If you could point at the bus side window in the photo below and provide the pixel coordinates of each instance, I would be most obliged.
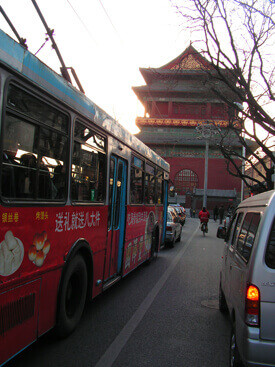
(35, 141)
(137, 180)
(136, 185)
(27, 175)
(52, 167)
(59, 180)
(8, 176)
(88, 166)
(149, 185)
(19, 163)
(159, 187)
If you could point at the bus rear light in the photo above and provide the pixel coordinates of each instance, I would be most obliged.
(252, 305)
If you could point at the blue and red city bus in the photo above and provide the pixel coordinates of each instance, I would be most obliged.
(83, 202)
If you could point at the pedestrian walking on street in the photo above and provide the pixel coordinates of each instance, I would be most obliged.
(230, 210)
(221, 213)
(216, 213)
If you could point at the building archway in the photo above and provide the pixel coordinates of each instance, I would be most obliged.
(185, 180)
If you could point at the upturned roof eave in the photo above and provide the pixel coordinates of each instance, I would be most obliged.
(150, 74)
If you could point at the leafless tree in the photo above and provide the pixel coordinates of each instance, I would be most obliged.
(237, 37)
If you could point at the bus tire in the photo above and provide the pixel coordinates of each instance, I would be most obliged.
(154, 243)
(72, 297)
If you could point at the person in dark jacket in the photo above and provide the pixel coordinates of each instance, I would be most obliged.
(221, 213)
(216, 213)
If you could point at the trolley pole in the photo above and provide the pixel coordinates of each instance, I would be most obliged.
(63, 68)
(22, 41)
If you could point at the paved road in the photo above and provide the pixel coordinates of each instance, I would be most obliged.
(162, 314)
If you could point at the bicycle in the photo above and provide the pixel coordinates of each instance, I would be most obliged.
(204, 228)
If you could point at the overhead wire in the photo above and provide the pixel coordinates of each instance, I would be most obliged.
(110, 20)
(82, 22)
(86, 27)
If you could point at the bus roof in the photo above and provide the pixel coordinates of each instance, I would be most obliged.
(18, 58)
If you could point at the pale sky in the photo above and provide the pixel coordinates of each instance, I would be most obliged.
(105, 41)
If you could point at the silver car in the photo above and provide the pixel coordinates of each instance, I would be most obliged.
(173, 229)
(247, 281)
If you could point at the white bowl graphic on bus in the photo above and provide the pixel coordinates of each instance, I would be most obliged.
(11, 254)
(150, 222)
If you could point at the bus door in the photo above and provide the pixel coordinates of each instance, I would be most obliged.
(116, 216)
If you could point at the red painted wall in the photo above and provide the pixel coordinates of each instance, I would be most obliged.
(218, 177)
(188, 110)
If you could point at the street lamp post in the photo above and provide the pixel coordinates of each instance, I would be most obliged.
(205, 129)
(243, 171)
(240, 108)
(205, 173)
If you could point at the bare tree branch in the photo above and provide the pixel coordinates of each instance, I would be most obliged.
(237, 37)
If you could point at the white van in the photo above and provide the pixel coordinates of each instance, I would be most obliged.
(247, 281)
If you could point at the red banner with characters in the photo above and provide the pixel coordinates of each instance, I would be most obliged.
(140, 224)
(34, 239)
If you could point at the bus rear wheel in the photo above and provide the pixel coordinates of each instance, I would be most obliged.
(72, 297)
(154, 245)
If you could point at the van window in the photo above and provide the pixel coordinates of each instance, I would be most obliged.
(237, 228)
(229, 232)
(247, 235)
(270, 250)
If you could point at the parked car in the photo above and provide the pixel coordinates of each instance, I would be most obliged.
(247, 281)
(173, 228)
(172, 209)
(181, 212)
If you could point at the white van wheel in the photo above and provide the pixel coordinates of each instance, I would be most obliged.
(222, 301)
(234, 355)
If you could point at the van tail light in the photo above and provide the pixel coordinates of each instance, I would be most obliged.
(252, 306)
(169, 228)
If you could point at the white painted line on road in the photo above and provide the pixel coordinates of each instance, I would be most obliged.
(117, 345)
